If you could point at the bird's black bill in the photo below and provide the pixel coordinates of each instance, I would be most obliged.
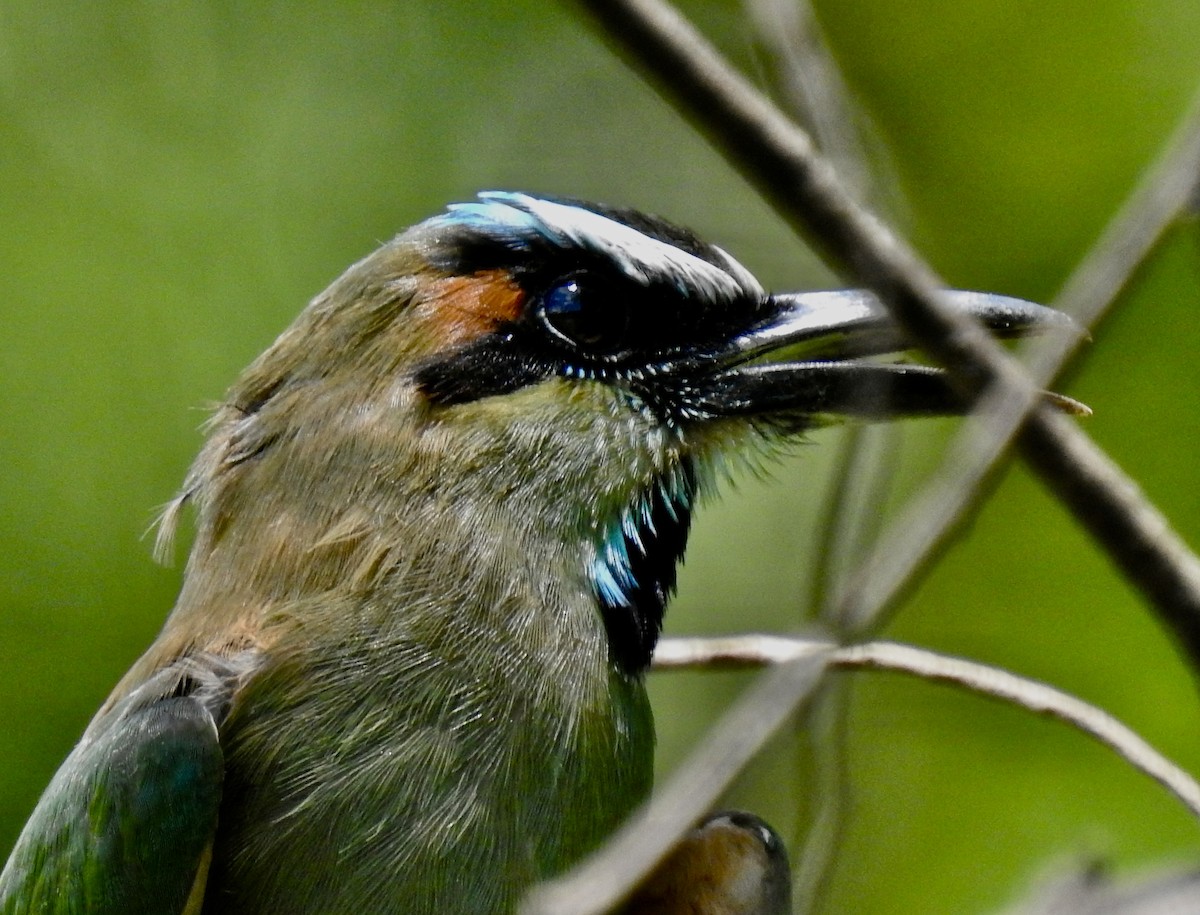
(864, 390)
(828, 331)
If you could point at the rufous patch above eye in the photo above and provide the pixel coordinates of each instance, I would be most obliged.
(465, 308)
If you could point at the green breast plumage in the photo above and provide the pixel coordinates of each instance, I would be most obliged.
(464, 763)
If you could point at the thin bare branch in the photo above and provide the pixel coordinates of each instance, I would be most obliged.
(602, 880)
(1092, 890)
(765, 650)
(834, 526)
(850, 525)
(1167, 191)
(827, 800)
(788, 30)
(778, 158)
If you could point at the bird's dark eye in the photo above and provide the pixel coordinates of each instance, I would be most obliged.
(588, 314)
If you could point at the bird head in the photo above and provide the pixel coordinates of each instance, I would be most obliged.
(560, 376)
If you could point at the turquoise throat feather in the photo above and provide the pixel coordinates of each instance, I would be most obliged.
(634, 570)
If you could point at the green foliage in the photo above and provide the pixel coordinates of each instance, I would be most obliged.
(179, 179)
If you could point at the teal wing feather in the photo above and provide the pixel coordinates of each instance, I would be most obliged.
(126, 824)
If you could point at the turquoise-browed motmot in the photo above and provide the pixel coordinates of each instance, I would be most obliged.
(438, 524)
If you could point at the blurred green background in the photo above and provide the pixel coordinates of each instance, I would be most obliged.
(177, 180)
